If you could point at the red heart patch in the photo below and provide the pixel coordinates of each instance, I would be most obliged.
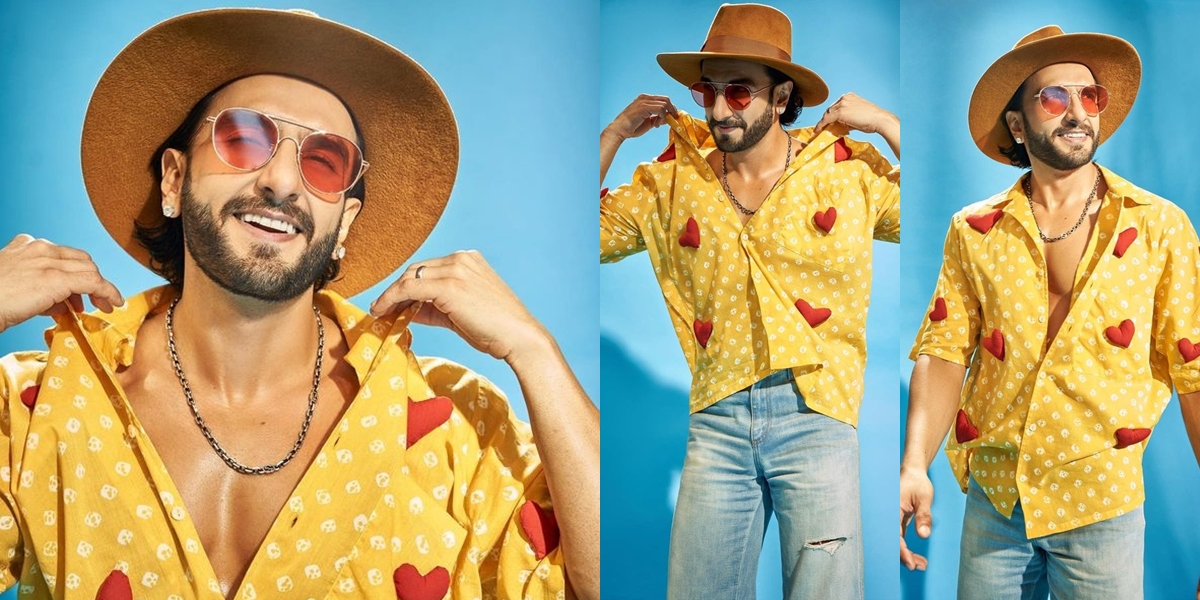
(995, 344)
(115, 587)
(1124, 239)
(691, 234)
(983, 223)
(939, 310)
(603, 192)
(964, 431)
(412, 585)
(1120, 336)
(703, 330)
(29, 395)
(814, 316)
(841, 151)
(668, 154)
(1187, 349)
(1127, 437)
(824, 219)
(425, 416)
(540, 527)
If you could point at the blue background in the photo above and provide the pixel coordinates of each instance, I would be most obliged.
(645, 375)
(521, 80)
(1155, 149)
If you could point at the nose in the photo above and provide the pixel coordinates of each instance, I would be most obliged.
(1075, 111)
(280, 178)
(720, 109)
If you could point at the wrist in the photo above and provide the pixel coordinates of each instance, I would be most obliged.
(611, 135)
(530, 348)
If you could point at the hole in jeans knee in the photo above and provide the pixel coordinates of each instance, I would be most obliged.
(830, 545)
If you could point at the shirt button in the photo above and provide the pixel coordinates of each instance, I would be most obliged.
(1041, 318)
(177, 513)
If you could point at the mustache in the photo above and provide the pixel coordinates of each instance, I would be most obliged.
(729, 122)
(247, 203)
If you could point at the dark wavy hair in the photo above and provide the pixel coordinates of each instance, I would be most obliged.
(795, 104)
(1016, 153)
(164, 242)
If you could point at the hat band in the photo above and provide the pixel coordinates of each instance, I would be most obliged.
(732, 44)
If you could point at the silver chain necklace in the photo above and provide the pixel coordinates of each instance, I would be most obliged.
(725, 180)
(1086, 205)
(208, 435)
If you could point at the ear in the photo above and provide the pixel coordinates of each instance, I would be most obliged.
(1016, 126)
(349, 212)
(782, 93)
(174, 166)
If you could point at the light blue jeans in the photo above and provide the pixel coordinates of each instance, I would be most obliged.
(762, 451)
(1101, 560)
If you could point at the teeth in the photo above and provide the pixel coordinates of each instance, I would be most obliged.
(273, 224)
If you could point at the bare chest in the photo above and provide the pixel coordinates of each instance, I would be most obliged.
(233, 512)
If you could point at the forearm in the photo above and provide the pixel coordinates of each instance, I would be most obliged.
(566, 429)
(933, 397)
(890, 130)
(610, 142)
(1190, 405)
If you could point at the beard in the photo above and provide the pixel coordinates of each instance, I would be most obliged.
(1041, 146)
(262, 274)
(750, 136)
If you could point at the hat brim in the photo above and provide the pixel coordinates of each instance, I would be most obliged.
(684, 67)
(411, 138)
(1114, 63)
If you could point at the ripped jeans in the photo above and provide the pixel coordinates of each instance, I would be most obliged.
(757, 452)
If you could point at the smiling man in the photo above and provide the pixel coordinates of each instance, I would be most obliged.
(761, 241)
(1072, 299)
(245, 431)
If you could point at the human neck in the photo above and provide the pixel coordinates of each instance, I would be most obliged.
(762, 159)
(236, 346)
(1056, 189)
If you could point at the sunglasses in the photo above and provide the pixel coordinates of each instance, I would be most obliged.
(246, 140)
(1055, 99)
(737, 96)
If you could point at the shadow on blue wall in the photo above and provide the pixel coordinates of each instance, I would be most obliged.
(645, 434)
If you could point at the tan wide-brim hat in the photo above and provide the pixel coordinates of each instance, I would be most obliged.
(1113, 62)
(409, 131)
(750, 32)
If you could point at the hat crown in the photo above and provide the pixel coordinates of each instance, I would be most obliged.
(750, 28)
(1041, 34)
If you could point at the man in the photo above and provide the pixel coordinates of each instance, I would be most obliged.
(316, 453)
(1071, 297)
(764, 306)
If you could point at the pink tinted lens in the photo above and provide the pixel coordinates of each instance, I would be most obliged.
(330, 163)
(244, 139)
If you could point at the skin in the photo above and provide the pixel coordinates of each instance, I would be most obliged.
(222, 339)
(1059, 197)
(754, 171)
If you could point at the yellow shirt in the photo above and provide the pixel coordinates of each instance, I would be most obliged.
(736, 293)
(1060, 428)
(412, 496)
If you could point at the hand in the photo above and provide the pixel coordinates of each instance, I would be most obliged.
(916, 497)
(462, 293)
(38, 277)
(855, 113)
(643, 114)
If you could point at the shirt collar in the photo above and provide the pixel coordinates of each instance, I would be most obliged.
(693, 132)
(1118, 189)
(113, 335)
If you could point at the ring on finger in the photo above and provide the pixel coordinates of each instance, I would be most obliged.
(419, 269)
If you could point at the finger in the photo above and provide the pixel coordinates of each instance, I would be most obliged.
(405, 291)
(76, 302)
(95, 285)
(21, 240)
(906, 556)
(827, 119)
(924, 521)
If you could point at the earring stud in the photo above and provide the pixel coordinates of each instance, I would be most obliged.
(1019, 141)
(340, 253)
(168, 211)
